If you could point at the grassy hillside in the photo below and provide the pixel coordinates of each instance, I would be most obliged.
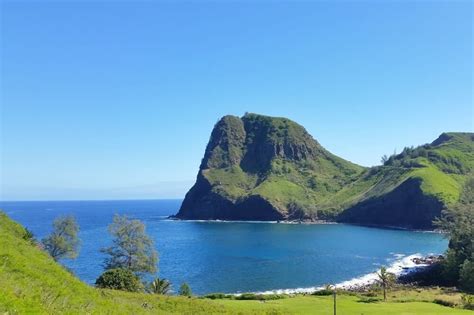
(401, 302)
(441, 167)
(32, 283)
(420, 180)
(274, 158)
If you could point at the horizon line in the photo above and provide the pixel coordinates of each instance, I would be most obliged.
(53, 200)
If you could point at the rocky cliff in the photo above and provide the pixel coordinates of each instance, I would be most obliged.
(266, 168)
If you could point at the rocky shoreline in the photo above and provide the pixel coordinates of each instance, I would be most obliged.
(428, 260)
(403, 269)
(172, 217)
(419, 265)
(307, 222)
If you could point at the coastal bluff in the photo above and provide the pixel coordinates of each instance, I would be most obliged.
(266, 168)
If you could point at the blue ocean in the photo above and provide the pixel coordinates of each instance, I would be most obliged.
(231, 257)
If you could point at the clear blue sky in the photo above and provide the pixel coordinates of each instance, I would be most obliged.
(118, 99)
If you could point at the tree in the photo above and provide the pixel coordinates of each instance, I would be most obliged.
(119, 279)
(132, 249)
(458, 223)
(386, 279)
(160, 286)
(63, 242)
(384, 159)
(466, 276)
(185, 290)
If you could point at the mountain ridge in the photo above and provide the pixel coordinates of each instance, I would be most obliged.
(270, 168)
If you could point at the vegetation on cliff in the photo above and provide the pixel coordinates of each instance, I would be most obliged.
(458, 222)
(260, 167)
(411, 188)
(267, 168)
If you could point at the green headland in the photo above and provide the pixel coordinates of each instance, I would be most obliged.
(268, 168)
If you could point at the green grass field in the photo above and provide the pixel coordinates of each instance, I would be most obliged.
(346, 304)
(32, 283)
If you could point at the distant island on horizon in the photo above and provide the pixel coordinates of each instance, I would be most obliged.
(269, 168)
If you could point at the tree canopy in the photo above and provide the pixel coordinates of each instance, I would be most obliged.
(119, 279)
(185, 290)
(458, 223)
(132, 248)
(63, 242)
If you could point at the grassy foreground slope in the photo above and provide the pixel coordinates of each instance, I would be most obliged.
(32, 283)
(413, 303)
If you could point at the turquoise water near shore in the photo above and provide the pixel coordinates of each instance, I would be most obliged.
(232, 257)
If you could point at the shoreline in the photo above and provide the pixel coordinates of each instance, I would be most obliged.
(405, 265)
(305, 222)
(316, 222)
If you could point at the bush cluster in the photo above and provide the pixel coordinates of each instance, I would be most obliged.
(260, 297)
(119, 279)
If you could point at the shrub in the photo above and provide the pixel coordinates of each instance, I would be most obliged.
(444, 302)
(323, 292)
(119, 279)
(260, 297)
(370, 294)
(185, 290)
(248, 296)
(468, 301)
(369, 300)
(269, 297)
(214, 296)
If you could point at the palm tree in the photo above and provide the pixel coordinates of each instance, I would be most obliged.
(386, 279)
(328, 287)
(160, 286)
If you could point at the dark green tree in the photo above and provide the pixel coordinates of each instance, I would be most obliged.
(458, 223)
(466, 276)
(63, 242)
(132, 248)
(119, 279)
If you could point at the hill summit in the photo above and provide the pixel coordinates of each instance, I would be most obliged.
(269, 168)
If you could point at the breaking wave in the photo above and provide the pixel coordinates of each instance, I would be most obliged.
(402, 265)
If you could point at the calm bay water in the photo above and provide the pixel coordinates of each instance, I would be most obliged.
(231, 257)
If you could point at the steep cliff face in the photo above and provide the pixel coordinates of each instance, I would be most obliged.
(266, 168)
(253, 141)
(405, 206)
(411, 188)
(263, 168)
